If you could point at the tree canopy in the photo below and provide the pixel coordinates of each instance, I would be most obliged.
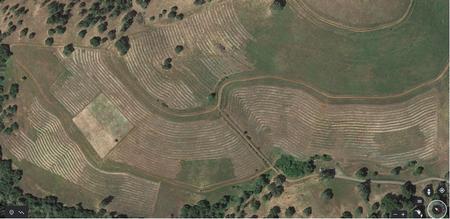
(292, 167)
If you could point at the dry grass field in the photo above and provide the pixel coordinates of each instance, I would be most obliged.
(363, 81)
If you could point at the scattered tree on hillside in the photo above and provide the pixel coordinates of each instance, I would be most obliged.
(327, 194)
(127, 20)
(358, 211)
(143, 3)
(307, 211)
(362, 172)
(60, 29)
(112, 34)
(106, 201)
(290, 211)
(408, 189)
(49, 41)
(278, 4)
(24, 32)
(418, 171)
(102, 27)
(391, 202)
(82, 33)
(255, 204)
(51, 31)
(274, 212)
(68, 49)
(123, 45)
(172, 14)
(180, 16)
(95, 41)
(279, 179)
(5, 53)
(346, 214)
(32, 35)
(199, 2)
(364, 190)
(327, 174)
(179, 48)
(13, 91)
(167, 64)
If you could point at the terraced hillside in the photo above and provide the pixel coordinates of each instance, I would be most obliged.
(302, 125)
(162, 103)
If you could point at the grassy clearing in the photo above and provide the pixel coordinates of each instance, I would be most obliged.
(205, 172)
(109, 116)
(340, 62)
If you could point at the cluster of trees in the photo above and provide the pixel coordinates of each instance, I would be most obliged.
(57, 14)
(99, 9)
(204, 209)
(293, 167)
(167, 64)
(327, 174)
(174, 13)
(128, 20)
(49, 206)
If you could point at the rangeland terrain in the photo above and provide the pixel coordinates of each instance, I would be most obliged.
(164, 104)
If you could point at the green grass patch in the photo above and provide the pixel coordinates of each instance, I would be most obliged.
(205, 172)
(381, 62)
(109, 116)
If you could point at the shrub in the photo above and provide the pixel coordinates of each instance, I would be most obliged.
(68, 49)
(123, 45)
(49, 41)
